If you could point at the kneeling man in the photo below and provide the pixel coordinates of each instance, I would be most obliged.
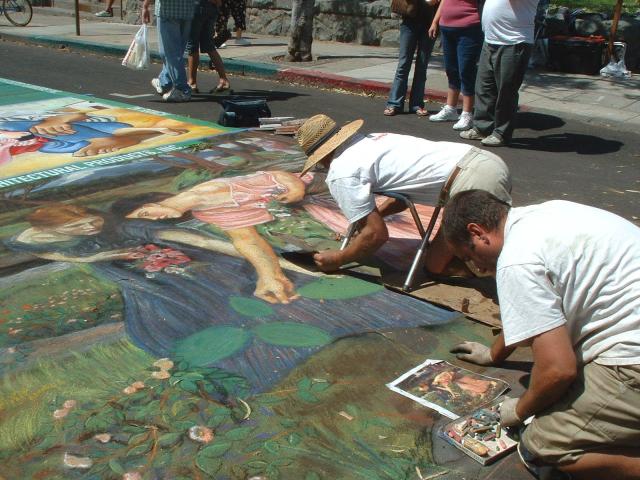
(568, 279)
(362, 165)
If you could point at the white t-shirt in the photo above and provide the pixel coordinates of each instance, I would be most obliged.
(387, 162)
(508, 22)
(566, 263)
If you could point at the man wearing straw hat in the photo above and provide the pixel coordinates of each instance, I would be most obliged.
(425, 171)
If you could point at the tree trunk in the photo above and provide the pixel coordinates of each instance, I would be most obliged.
(301, 31)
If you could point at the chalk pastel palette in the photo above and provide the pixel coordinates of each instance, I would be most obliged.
(480, 435)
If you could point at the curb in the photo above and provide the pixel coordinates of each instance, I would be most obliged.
(304, 76)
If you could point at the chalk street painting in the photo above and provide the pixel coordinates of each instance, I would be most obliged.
(150, 327)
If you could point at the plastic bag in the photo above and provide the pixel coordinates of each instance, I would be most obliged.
(138, 56)
(617, 69)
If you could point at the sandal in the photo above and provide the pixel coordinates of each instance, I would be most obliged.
(421, 112)
(194, 89)
(222, 86)
(390, 111)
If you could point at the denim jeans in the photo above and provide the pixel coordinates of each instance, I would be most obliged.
(413, 36)
(173, 35)
(461, 47)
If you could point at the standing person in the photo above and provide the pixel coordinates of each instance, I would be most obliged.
(202, 41)
(508, 39)
(459, 23)
(414, 39)
(174, 25)
(361, 165)
(107, 12)
(238, 10)
(301, 38)
(568, 279)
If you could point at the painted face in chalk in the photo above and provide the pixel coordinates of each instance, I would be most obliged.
(91, 225)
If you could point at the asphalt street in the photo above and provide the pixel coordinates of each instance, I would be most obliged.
(549, 157)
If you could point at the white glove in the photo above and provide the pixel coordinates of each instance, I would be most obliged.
(508, 415)
(473, 352)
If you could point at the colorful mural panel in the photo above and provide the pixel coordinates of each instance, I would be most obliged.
(150, 327)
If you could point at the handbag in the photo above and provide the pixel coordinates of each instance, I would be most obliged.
(243, 112)
(406, 8)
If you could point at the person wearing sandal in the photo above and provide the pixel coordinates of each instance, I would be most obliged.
(202, 41)
(413, 37)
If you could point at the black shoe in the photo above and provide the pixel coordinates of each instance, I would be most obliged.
(222, 38)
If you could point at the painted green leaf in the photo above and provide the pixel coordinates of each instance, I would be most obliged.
(272, 446)
(238, 433)
(250, 307)
(312, 476)
(139, 438)
(288, 423)
(169, 439)
(216, 450)
(273, 473)
(116, 467)
(140, 449)
(294, 439)
(291, 334)
(307, 396)
(304, 383)
(208, 465)
(318, 387)
(282, 461)
(338, 288)
(212, 344)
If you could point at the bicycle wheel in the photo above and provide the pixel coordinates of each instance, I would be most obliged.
(18, 12)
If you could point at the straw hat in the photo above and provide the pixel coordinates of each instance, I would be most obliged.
(319, 136)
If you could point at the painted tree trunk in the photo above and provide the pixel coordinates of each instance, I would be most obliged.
(301, 31)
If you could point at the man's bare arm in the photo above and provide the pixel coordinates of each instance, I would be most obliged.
(372, 234)
(554, 369)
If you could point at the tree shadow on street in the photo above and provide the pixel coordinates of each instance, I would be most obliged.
(567, 142)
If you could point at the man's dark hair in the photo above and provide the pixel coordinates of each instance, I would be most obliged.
(471, 206)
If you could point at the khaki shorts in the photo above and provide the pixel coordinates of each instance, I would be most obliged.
(600, 410)
(483, 170)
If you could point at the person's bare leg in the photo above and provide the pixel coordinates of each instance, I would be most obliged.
(215, 57)
(238, 34)
(618, 463)
(192, 69)
(452, 97)
(467, 103)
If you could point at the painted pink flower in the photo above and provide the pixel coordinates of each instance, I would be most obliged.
(60, 413)
(201, 434)
(132, 476)
(138, 385)
(161, 375)
(102, 437)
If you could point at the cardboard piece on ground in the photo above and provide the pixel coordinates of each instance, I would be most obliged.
(475, 298)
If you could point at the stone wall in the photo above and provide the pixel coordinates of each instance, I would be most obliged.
(351, 21)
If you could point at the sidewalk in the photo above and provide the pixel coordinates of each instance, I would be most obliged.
(355, 68)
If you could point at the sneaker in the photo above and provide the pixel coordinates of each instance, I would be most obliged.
(105, 14)
(446, 114)
(176, 96)
(465, 122)
(155, 82)
(472, 134)
(493, 140)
